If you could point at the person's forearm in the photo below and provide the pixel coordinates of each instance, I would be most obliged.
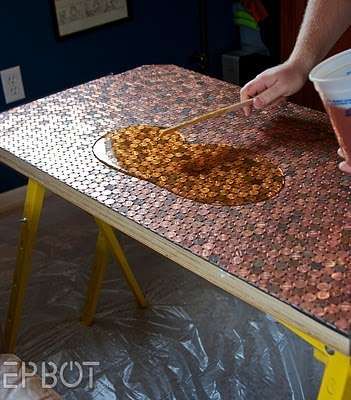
(324, 22)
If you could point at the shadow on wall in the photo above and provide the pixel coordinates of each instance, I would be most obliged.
(158, 32)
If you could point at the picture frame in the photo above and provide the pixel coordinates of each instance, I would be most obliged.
(74, 16)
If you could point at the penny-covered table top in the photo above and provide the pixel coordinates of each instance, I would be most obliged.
(294, 246)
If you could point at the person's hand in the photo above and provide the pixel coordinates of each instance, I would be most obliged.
(274, 85)
(344, 167)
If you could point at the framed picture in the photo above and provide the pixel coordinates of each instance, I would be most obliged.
(73, 16)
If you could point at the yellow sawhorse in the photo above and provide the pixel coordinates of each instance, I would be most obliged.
(336, 381)
(106, 243)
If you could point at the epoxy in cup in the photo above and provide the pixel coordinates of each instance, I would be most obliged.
(332, 80)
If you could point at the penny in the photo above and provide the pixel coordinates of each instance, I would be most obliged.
(331, 309)
(318, 259)
(303, 268)
(300, 284)
(265, 275)
(323, 286)
(315, 274)
(330, 264)
(286, 286)
(319, 311)
(259, 231)
(337, 276)
(244, 271)
(237, 260)
(309, 297)
(296, 300)
(323, 295)
(345, 307)
(279, 274)
(336, 292)
(343, 324)
(286, 251)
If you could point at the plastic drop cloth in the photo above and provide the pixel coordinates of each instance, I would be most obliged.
(194, 342)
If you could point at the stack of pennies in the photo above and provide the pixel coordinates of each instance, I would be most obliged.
(207, 173)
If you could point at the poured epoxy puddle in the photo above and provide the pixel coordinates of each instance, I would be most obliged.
(207, 173)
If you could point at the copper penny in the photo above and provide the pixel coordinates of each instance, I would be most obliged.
(337, 276)
(309, 297)
(324, 286)
(323, 295)
(300, 284)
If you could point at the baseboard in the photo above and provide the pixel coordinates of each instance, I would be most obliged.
(12, 199)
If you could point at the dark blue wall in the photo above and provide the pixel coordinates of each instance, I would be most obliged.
(159, 31)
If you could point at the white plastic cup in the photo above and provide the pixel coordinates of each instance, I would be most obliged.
(332, 80)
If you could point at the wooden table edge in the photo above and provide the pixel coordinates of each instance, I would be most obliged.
(231, 284)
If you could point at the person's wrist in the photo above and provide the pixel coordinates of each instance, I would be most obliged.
(302, 67)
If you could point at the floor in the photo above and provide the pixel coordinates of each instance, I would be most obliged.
(194, 342)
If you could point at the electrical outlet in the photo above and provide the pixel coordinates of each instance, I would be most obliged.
(12, 84)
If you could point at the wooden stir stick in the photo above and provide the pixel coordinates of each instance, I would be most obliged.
(211, 114)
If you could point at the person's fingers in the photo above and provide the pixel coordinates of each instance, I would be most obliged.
(249, 91)
(341, 153)
(345, 167)
(256, 86)
(268, 96)
(243, 97)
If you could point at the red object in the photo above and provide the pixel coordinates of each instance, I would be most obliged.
(341, 120)
(256, 9)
